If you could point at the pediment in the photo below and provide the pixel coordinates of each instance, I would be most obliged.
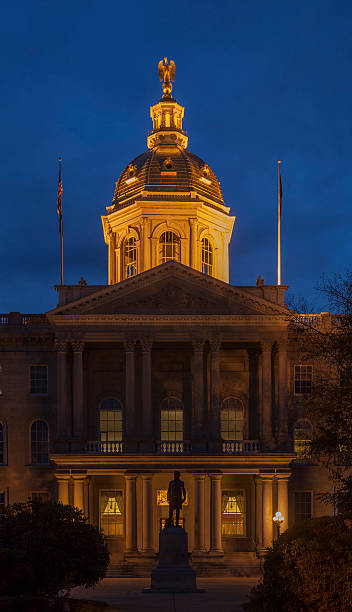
(170, 289)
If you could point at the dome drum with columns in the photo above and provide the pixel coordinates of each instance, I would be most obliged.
(167, 205)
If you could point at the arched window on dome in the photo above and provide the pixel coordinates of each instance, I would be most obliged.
(129, 257)
(302, 441)
(207, 257)
(110, 425)
(169, 247)
(39, 442)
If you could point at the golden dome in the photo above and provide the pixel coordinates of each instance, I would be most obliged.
(167, 169)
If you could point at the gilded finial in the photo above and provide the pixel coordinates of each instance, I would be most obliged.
(167, 74)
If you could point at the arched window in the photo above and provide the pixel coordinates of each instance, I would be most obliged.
(110, 425)
(129, 257)
(171, 422)
(169, 247)
(39, 442)
(207, 257)
(302, 440)
(232, 419)
(2, 443)
(167, 120)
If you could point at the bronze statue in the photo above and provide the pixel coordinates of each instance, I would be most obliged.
(176, 496)
(167, 72)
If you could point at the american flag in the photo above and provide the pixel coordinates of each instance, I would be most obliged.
(59, 193)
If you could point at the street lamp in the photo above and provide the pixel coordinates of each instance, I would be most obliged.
(278, 519)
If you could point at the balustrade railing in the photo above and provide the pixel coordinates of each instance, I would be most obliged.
(173, 447)
(234, 447)
(104, 448)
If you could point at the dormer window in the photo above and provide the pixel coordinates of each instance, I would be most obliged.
(168, 165)
(205, 175)
(131, 174)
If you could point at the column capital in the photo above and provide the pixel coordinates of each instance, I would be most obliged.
(146, 345)
(146, 476)
(129, 345)
(198, 345)
(266, 346)
(77, 346)
(215, 345)
(267, 477)
(79, 477)
(282, 344)
(217, 477)
(61, 345)
(130, 476)
(199, 476)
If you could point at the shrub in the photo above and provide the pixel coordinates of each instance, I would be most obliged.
(309, 568)
(48, 547)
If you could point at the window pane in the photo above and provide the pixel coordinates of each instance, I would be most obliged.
(233, 513)
(130, 257)
(39, 379)
(303, 379)
(303, 505)
(232, 419)
(169, 247)
(302, 442)
(207, 257)
(40, 442)
(111, 421)
(171, 419)
(111, 512)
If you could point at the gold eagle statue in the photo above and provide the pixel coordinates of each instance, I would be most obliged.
(167, 73)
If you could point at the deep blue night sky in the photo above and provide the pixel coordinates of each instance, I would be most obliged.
(260, 81)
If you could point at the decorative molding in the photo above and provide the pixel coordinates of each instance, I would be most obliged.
(146, 345)
(266, 346)
(61, 345)
(215, 345)
(77, 346)
(129, 345)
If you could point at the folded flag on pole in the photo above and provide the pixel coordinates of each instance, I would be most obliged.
(59, 193)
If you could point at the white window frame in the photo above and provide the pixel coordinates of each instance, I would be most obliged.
(123, 522)
(162, 245)
(243, 492)
(211, 253)
(133, 263)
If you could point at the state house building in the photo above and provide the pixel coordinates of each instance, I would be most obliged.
(166, 367)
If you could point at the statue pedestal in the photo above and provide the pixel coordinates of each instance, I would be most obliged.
(173, 573)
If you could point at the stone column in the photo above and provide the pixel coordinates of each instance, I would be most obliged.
(199, 513)
(131, 514)
(63, 420)
(78, 409)
(130, 388)
(267, 510)
(111, 258)
(259, 511)
(78, 492)
(266, 420)
(193, 240)
(147, 415)
(198, 392)
(147, 513)
(62, 490)
(283, 393)
(215, 532)
(282, 500)
(146, 245)
(214, 421)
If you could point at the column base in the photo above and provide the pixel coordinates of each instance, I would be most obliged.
(147, 554)
(216, 552)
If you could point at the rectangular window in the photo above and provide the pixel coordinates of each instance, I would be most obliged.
(39, 379)
(303, 379)
(2, 502)
(161, 498)
(111, 512)
(303, 505)
(1, 381)
(233, 513)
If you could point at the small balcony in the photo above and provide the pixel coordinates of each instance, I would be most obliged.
(96, 447)
(170, 447)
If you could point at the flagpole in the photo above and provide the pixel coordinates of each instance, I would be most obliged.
(59, 212)
(279, 212)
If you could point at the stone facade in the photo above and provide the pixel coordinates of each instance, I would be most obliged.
(166, 367)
